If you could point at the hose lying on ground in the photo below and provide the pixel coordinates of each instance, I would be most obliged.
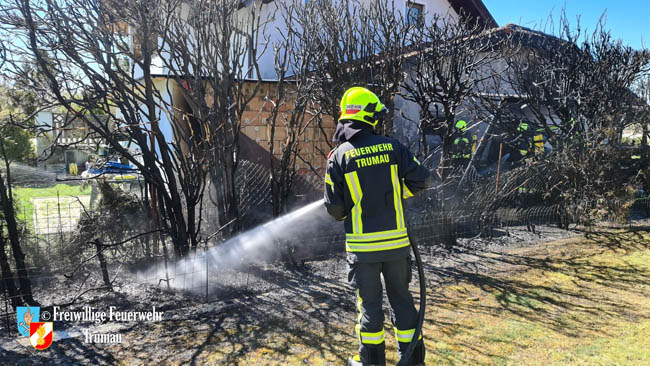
(423, 301)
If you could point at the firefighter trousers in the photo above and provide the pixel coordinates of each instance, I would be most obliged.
(366, 281)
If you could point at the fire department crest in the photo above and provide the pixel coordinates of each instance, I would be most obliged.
(41, 334)
(24, 316)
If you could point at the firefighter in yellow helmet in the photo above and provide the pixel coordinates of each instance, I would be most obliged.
(368, 177)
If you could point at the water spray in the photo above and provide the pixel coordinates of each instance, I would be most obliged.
(255, 244)
(252, 246)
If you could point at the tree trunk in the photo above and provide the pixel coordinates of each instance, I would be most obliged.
(233, 199)
(14, 239)
(7, 275)
(191, 225)
(223, 176)
(445, 167)
(175, 224)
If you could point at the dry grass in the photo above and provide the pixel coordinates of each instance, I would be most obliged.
(572, 302)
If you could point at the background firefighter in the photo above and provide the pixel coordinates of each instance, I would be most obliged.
(367, 178)
(461, 152)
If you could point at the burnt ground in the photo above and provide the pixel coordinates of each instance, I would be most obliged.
(237, 323)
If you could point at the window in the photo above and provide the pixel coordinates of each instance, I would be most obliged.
(414, 12)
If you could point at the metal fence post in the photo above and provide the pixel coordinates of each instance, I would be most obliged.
(206, 274)
(59, 227)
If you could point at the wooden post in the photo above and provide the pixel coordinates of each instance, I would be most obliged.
(499, 166)
(99, 250)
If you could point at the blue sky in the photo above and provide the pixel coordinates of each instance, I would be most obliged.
(628, 20)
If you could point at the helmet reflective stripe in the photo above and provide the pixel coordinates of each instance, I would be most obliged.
(360, 104)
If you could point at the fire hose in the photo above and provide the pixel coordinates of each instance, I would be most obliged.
(423, 301)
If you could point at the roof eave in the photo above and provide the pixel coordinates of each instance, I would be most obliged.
(477, 9)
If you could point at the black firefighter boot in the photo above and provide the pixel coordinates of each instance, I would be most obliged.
(418, 355)
(356, 361)
(369, 355)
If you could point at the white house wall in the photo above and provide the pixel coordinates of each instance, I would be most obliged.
(43, 142)
(157, 68)
(274, 26)
(161, 85)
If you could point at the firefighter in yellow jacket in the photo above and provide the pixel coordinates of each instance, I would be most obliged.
(368, 176)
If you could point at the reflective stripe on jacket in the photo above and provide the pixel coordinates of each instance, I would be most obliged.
(366, 181)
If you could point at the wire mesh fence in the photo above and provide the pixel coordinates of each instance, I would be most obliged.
(474, 214)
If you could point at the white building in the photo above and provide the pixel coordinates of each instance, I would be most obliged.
(272, 19)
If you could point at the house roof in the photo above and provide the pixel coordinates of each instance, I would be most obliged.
(475, 8)
(245, 3)
(527, 36)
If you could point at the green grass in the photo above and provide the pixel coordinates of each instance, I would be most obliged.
(23, 198)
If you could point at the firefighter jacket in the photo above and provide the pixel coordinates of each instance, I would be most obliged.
(367, 178)
(462, 147)
(531, 143)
